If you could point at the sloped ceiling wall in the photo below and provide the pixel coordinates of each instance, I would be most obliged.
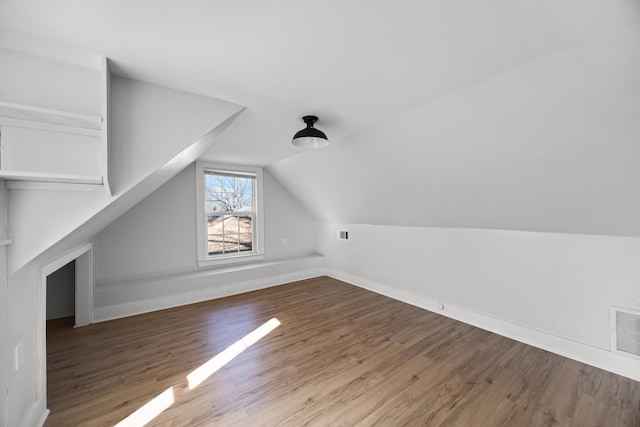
(551, 146)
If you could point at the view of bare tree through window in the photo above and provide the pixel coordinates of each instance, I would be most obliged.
(229, 209)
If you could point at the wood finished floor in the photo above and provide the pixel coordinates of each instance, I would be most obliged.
(341, 356)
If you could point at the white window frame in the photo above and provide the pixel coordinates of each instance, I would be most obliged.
(257, 253)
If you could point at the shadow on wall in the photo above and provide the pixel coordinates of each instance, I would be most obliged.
(61, 290)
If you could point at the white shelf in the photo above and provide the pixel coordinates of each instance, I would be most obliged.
(6, 242)
(44, 115)
(50, 177)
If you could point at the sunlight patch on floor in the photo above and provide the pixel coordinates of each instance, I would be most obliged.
(164, 400)
(150, 410)
(200, 374)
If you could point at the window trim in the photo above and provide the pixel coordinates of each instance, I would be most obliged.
(206, 260)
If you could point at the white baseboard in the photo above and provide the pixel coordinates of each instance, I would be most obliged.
(102, 314)
(43, 418)
(35, 416)
(566, 347)
(597, 357)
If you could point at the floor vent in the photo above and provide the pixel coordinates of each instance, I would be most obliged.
(625, 332)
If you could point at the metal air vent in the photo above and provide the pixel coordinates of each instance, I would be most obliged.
(625, 332)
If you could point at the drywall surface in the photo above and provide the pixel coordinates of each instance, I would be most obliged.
(138, 109)
(4, 310)
(550, 146)
(560, 284)
(61, 292)
(158, 236)
(46, 224)
(38, 82)
(26, 386)
(151, 124)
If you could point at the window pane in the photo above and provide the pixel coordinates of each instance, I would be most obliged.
(231, 243)
(229, 207)
(215, 244)
(212, 183)
(213, 205)
(232, 195)
(215, 224)
(245, 226)
(246, 202)
(228, 184)
(244, 185)
(246, 243)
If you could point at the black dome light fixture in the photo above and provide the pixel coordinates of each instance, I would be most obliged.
(310, 137)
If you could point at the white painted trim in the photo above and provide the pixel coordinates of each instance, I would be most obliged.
(600, 358)
(106, 122)
(222, 260)
(36, 416)
(43, 418)
(41, 322)
(204, 260)
(52, 186)
(50, 177)
(6, 242)
(102, 314)
(52, 127)
(28, 112)
(65, 259)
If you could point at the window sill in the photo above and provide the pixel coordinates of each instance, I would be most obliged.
(237, 259)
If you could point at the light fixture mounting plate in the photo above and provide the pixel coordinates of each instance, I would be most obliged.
(310, 120)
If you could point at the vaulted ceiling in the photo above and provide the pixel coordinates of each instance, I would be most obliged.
(354, 63)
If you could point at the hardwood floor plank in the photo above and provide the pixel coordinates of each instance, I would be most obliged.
(340, 356)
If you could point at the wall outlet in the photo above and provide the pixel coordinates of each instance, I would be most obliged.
(18, 356)
(284, 242)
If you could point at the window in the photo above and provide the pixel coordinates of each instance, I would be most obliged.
(229, 214)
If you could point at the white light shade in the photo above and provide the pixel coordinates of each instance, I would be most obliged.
(310, 142)
(310, 137)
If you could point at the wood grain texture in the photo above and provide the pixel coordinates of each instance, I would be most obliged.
(342, 356)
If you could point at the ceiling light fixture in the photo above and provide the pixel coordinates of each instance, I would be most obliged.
(310, 137)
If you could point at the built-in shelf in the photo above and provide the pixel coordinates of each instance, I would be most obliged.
(44, 115)
(50, 177)
(46, 149)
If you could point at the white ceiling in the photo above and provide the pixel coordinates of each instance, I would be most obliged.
(353, 63)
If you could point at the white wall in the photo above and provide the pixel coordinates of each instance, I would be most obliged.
(61, 292)
(436, 200)
(26, 393)
(158, 238)
(30, 80)
(150, 125)
(72, 218)
(550, 146)
(4, 310)
(562, 284)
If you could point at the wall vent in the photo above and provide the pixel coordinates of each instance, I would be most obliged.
(343, 235)
(625, 332)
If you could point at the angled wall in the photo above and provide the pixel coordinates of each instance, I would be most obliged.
(149, 253)
(4, 310)
(514, 202)
(150, 126)
(156, 132)
(551, 146)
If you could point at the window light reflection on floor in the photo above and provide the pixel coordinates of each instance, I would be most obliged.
(161, 402)
(150, 410)
(200, 374)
